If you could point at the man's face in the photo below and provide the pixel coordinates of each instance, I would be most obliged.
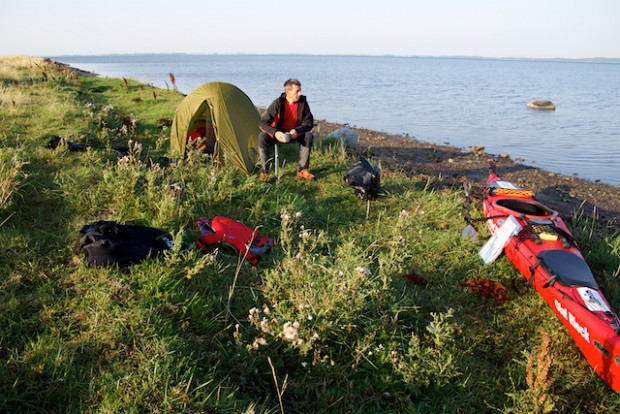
(293, 92)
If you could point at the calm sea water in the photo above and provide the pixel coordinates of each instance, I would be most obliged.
(458, 101)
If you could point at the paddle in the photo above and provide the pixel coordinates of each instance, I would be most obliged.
(468, 231)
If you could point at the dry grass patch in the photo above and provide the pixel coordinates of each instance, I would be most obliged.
(16, 68)
(12, 98)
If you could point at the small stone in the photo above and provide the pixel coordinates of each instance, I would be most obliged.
(450, 160)
(504, 155)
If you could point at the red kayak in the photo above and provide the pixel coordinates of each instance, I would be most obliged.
(544, 251)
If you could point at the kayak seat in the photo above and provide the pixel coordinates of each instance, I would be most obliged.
(527, 207)
(566, 268)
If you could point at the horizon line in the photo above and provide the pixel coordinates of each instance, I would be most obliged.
(599, 58)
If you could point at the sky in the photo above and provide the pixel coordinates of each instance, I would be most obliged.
(486, 28)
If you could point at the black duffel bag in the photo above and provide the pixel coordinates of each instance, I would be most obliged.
(364, 178)
(106, 243)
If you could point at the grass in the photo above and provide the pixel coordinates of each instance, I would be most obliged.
(329, 321)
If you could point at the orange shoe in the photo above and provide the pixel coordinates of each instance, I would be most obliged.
(263, 177)
(305, 174)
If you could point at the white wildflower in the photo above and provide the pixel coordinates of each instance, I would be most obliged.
(264, 326)
(290, 331)
(253, 316)
(123, 129)
(137, 147)
(362, 271)
(298, 215)
(304, 233)
(175, 187)
(123, 162)
(258, 342)
(403, 214)
(266, 310)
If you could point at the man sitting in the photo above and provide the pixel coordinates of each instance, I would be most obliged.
(287, 119)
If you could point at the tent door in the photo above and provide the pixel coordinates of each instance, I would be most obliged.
(211, 127)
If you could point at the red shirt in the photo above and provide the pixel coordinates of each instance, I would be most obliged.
(289, 116)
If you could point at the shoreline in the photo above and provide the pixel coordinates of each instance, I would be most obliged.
(592, 176)
(449, 166)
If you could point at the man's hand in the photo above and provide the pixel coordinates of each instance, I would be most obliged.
(282, 137)
(293, 133)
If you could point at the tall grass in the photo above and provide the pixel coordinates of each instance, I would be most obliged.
(11, 176)
(329, 321)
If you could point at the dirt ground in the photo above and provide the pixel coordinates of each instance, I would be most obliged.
(451, 167)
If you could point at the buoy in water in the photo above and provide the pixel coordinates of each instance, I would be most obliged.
(548, 105)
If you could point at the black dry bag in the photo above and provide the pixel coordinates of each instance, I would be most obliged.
(106, 243)
(364, 178)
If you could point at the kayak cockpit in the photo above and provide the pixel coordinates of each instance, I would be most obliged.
(524, 207)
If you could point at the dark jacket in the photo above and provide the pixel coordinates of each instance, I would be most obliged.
(272, 119)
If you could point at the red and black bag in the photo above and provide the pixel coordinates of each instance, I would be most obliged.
(226, 230)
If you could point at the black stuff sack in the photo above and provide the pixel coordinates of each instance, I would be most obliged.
(106, 243)
(364, 178)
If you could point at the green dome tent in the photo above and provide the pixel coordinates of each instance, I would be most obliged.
(233, 116)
